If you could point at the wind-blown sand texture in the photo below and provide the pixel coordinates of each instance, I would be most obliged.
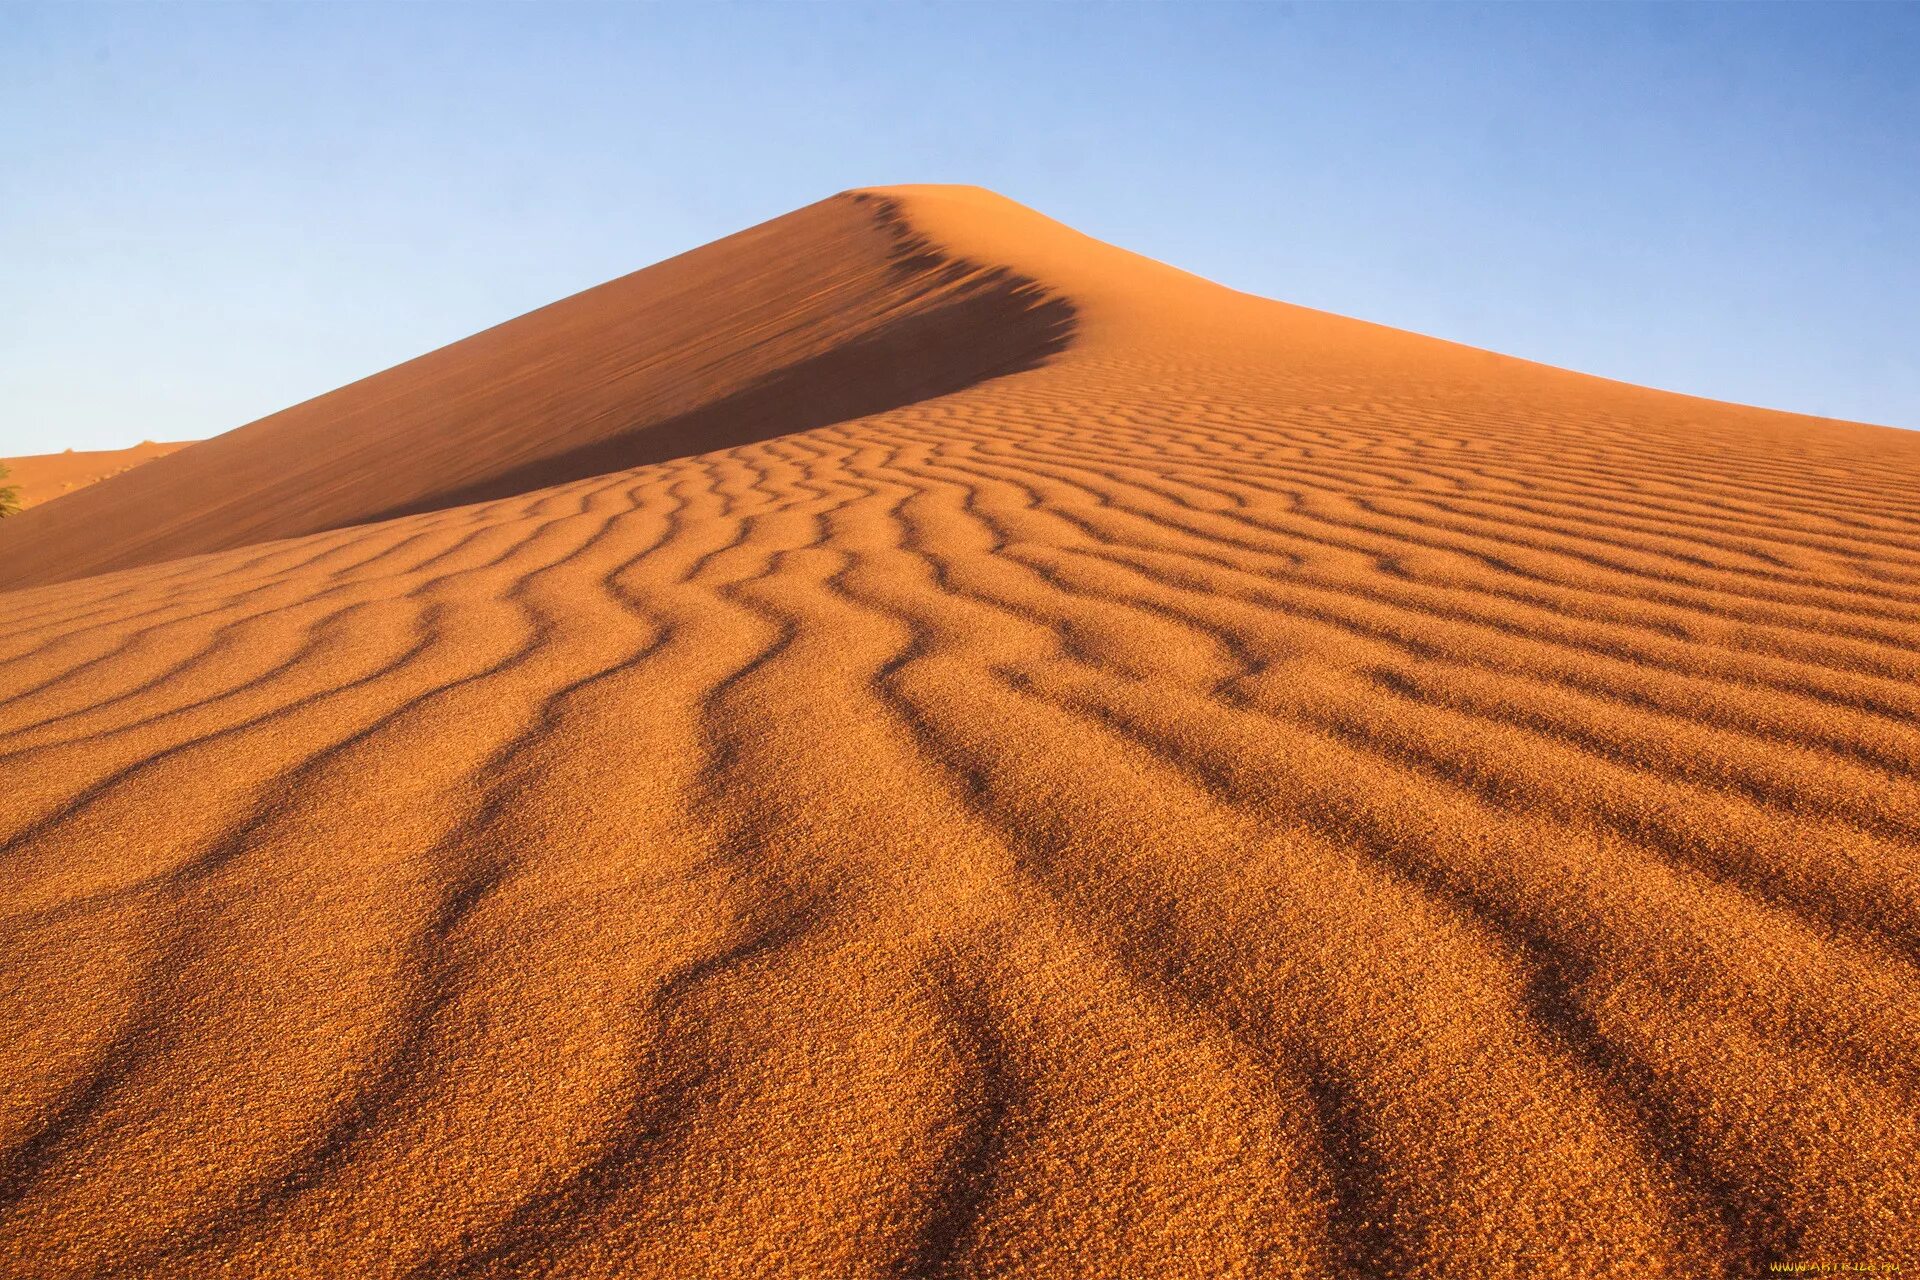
(910, 742)
(42, 477)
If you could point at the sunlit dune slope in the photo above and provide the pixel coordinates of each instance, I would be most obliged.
(42, 477)
(1113, 777)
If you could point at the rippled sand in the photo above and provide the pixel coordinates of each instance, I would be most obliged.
(910, 742)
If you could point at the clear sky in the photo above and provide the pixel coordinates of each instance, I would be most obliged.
(208, 213)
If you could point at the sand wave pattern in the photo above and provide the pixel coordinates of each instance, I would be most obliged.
(1182, 786)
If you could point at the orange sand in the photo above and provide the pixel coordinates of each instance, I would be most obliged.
(910, 742)
(42, 477)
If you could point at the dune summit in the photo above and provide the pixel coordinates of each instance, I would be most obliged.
(912, 742)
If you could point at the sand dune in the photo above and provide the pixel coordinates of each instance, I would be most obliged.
(42, 477)
(911, 742)
(834, 312)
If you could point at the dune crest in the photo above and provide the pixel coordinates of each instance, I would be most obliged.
(911, 742)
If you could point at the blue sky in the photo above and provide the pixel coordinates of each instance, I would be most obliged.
(210, 212)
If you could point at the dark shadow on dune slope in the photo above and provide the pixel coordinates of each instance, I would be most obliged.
(996, 324)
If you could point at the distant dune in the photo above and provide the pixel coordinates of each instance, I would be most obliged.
(912, 742)
(42, 477)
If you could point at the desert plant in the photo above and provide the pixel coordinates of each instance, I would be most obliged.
(9, 496)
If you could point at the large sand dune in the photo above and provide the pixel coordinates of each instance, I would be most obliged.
(910, 742)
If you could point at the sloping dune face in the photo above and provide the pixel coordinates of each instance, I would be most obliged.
(1180, 785)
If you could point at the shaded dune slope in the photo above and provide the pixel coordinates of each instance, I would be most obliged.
(1242, 792)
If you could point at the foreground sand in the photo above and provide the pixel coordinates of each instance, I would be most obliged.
(1067, 771)
(42, 477)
